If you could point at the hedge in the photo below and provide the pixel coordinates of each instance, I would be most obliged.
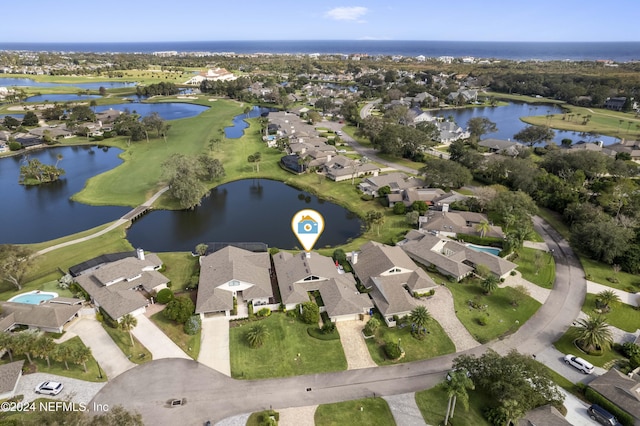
(595, 398)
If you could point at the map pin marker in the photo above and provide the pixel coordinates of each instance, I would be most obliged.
(307, 225)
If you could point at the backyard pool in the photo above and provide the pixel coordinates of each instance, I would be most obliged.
(492, 250)
(35, 297)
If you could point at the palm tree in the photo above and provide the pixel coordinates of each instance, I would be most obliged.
(483, 227)
(511, 411)
(59, 158)
(257, 335)
(456, 388)
(43, 347)
(127, 323)
(606, 299)
(81, 355)
(489, 284)
(419, 317)
(593, 333)
(24, 343)
(63, 353)
(7, 342)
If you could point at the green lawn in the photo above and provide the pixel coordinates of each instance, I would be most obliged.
(137, 353)
(368, 411)
(436, 343)
(501, 316)
(433, 406)
(555, 220)
(621, 315)
(566, 346)
(526, 261)
(180, 267)
(601, 273)
(75, 371)
(278, 357)
(189, 344)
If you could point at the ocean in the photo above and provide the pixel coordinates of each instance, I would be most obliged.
(575, 51)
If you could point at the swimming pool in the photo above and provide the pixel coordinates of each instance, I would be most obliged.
(33, 297)
(492, 250)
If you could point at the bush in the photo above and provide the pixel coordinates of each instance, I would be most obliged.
(595, 398)
(165, 296)
(328, 327)
(482, 321)
(193, 325)
(99, 317)
(399, 208)
(628, 349)
(366, 197)
(15, 146)
(179, 309)
(310, 313)
(264, 312)
(392, 350)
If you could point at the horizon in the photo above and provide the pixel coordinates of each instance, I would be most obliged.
(324, 40)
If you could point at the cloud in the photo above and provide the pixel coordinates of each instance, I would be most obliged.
(346, 13)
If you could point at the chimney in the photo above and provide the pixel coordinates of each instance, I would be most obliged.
(354, 257)
(328, 157)
(140, 254)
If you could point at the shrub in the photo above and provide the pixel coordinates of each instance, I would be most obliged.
(513, 273)
(99, 317)
(193, 325)
(366, 197)
(179, 309)
(15, 146)
(399, 208)
(629, 349)
(392, 350)
(328, 327)
(165, 296)
(372, 326)
(310, 313)
(482, 321)
(264, 312)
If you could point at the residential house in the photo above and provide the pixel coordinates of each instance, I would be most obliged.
(452, 258)
(392, 277)
(302, 273)
(10, 375)
(215, 74)
(451, 132)
(108, 117)
(546, 415)
(630, 147)
(50, 316)
(397, 182)
(451, 223)
(499, 146)
(463, 96)
(411, 195)
(341, 168)
(233, 272)
(597, 146)
(54, 132)
(621, 390)
(124, 286)
(616, 103)
(446, 199)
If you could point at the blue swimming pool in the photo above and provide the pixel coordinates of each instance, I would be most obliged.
(33, 297)
(492, 250)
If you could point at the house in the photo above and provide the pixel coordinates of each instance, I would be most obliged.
(621, 390)
(503, 147)
(446, 199)
(546, 415)
(616, 103)
(54, 132)
(451, 132)
(215, 74)
(108, 117)
(341, 168)
(451, 223)
(50, 316)
(10, 375)
(464, 95)
(395, 181)
(233, 272)
(411, 195)
(392, 277)
(124, 286)
(451, 258)
(302, 273)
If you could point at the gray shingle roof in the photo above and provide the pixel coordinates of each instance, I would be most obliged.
(375, 258)
(459, 222)
(44, 315)
(619, 389)
(390, 296)
(546, 415)
(9, 375)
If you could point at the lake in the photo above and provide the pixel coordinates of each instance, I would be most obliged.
(166, 110)
(245, 210)
(61, 98)
(12, 81)
(32, 214)
(236, 130)
(507, 119)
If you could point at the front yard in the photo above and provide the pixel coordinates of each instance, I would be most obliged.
(288, 350)
(137, 353)
(433, 406)
(621, 315)
(368, 411)
(566, 346)
(189, 344)
(536, 266)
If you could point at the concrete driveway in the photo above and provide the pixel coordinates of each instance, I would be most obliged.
(214, 349)
(156, 341)
(77, 391)
(103, 348)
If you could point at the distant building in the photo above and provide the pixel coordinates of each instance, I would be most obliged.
(216, 74)
(615, 104)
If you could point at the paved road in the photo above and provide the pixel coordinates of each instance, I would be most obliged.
(211, 395)
(368, 107)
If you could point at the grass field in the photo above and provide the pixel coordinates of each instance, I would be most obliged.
(189, 344)
(621, 315)
(566, 346)
(555, 220)
(433, 406)
(601, 273)
(500, 315)
(436, 343)
(180, 267)
(526, 261)
(278, 356)
(368, 411)
(137, 353)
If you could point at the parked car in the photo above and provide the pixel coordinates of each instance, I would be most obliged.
(576, 362)
(456, 369)
(602, 416)
(49, 388)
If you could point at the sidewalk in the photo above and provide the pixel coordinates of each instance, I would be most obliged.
(405, 410)
(632, 299)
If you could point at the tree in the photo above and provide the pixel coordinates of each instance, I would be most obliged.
(479, 126)
(412, 218)
(419, 318)
(14, 263)
(483, 227)
(182, 174)
(606, 299)
(30, 119)
(257, 335)
(81, 355)
(532, 135)
(399, 208)
(457, 386)
(179, 309)
(127, 323)
(374, 218)
(489, 284)
(419, 206)
(372, 326)
(63, 353)
(24, 344)
(339, 256)
(601, 240)
(43, 347)
(153, 121)
(445, 173)
(201, 249)
(7, 342)
(310, 313)
(211, 168)
(11, 123)
(193, 325)
(255, 159)
(593, 333)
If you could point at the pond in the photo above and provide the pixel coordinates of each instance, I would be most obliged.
(30, 214)
(236, 130)
(167, 110)
(507, 119)
(12, 81)
(61, 98)
(245, 210)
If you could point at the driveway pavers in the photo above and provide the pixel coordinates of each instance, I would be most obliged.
(214, 349)
(405, 409)
(353, 344)
(297, 416)
(156, 341)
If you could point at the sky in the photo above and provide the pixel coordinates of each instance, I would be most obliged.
(211, 20)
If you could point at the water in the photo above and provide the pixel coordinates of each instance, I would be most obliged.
(236, 130)
(12, 81)
(33, 297)
(61, 98)
(580, 51)
(39, 213)
(492, 250)
(244, 210)
(166, 110)
(507, 119)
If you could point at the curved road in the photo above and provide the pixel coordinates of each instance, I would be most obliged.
(212, 396)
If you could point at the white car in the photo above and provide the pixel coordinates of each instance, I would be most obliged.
(585, 366)
(49, 388)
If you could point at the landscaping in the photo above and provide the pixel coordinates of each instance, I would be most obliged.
(621, 315)
(433, 406)
(536, 266)
(288, 350)
(180, 268)
(137, 353)
(566, 345)
(190, 344)
(604, 274)
(368, 411)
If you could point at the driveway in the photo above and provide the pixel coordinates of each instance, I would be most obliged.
(103, 348)
(576, 410)
(214, 349)
(77, 391)
(156, 341)
(353, 344)
(632, 299)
